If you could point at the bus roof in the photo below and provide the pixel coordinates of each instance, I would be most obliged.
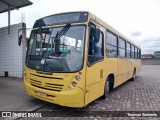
(62, 18)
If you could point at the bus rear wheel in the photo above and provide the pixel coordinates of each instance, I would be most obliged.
(134, 75)
(106, 89)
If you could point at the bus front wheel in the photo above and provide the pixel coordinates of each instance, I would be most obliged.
(106, 89)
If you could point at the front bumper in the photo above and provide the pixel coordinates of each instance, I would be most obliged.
(69, 98)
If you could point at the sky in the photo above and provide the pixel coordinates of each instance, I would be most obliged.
(139, 20)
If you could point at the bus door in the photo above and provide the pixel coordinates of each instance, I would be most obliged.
(94, 74)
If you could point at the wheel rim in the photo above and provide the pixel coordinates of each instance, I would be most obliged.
(107, 88)
(134, 75)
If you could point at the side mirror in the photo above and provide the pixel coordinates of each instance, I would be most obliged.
(19, 37)
(94, 38)
(28, 41)
(20, 40)
(95, 34)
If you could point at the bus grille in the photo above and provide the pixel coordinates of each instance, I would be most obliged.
(46, 86)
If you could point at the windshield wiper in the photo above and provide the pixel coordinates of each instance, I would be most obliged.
(63, 31)
(58, 35)
(57, 41)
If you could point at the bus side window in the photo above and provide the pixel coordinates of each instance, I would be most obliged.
(128, 50)
(97, 47)
(136, 52)
(132, 51)
(111, 45)
(122, 48)
(139, 53)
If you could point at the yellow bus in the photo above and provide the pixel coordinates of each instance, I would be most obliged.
(74, 58)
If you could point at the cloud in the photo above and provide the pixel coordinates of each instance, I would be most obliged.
(150, 44)
(136, 33)
(150, 40)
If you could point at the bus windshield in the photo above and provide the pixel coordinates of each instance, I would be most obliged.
(56, 49)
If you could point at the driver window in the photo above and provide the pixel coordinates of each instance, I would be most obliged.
(95, 51)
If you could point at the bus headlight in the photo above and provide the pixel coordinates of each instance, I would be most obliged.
(78, 78)
(74, 84)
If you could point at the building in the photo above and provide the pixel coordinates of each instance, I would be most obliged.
(146, 56)
(11, 55)
(156, 54)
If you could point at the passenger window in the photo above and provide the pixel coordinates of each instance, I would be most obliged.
(111, 45)
(122, 48)
(128, 50)
(136, 55)
(132, 51)
(139, 54)
(95, 52)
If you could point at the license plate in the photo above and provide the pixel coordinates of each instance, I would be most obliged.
(41, 94)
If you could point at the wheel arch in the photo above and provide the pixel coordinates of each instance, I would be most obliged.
(111, 80)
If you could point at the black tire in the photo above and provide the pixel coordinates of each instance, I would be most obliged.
(106, 89)
(134, 76)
